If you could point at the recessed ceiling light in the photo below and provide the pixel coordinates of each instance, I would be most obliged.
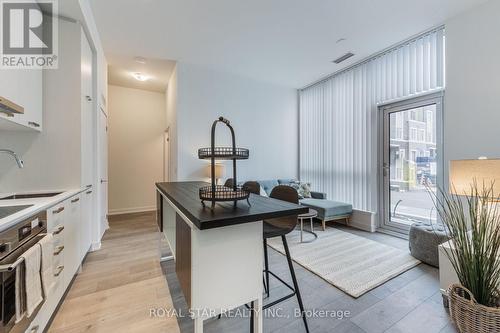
(140, 60)
(140, 76)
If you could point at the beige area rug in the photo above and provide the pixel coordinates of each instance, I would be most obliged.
(351, 263)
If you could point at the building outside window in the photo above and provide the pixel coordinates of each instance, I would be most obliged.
(421, 135)
(413, 156)
(413, 134)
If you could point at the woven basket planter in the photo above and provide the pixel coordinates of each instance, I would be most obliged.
(468, 315)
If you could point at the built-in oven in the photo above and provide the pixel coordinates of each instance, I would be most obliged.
(13, 243)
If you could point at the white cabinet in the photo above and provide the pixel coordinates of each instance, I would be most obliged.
(72, 224)
(85, 227)
(88, 112)
(66, 221)
(56, 224)
(23, 87)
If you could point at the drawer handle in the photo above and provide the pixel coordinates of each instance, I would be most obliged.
(59, 250)
(75, 200)
(32, 123)
(57, 211)
(59, 230)
(59, 271)
(35, 329)
(88, 192)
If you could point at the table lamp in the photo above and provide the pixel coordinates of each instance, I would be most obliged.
(463, 173)
(219, 172)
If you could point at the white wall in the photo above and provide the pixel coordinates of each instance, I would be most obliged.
(171, 124)
(264, 117)
(52, 158)
(472, 101)
(136, 130)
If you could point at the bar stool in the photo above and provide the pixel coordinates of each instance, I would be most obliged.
(229, 182)
(279, 227)
(252, 187)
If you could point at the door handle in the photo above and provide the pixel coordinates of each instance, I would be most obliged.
(89, 99)
(104, 181)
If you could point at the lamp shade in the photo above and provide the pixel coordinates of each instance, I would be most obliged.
(219, 171)
(463, 173)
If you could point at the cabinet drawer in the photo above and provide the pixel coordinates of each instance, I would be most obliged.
(58, 258)
(55, 217)
(58, 234)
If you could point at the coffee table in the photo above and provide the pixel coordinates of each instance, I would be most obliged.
(309, 215)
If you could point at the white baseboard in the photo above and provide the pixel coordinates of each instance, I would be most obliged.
(131, 210)
(364, 220)
(95, 247)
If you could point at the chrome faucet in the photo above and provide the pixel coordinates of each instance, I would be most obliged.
(19, 162)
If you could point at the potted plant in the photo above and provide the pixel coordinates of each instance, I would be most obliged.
(472, 221)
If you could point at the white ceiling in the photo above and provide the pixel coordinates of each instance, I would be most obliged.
(289, 42)
(122, 67)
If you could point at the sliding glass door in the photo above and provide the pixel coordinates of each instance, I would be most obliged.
(412, 161)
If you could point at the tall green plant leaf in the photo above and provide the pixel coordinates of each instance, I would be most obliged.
(473, 226)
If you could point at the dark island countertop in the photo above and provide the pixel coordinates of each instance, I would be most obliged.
(185, 196)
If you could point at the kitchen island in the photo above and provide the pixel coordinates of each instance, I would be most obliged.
(218, 251)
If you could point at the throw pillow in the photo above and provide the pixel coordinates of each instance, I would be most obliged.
(303, 189)
(296, 187)
(263, 192)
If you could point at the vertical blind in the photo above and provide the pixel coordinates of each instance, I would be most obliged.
(338, 116)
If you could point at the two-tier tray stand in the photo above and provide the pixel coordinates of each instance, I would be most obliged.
(214, 192)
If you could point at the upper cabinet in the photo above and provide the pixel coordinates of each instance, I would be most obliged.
(24, 88)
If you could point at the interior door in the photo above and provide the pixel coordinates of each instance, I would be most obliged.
(103, 171)
(411, 146)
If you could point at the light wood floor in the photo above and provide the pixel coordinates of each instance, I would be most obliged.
(123, 281)
(119, 284)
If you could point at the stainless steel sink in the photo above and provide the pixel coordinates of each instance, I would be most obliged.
(9, 210)
(31, 196)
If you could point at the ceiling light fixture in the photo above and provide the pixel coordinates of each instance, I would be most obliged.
(140, 60)
(140, 77)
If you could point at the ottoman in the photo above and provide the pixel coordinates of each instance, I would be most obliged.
(329, 210)
(424, 241)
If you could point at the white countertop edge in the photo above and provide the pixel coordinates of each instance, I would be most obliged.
(39, 204)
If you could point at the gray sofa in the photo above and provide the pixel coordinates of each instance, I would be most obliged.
(328, 210)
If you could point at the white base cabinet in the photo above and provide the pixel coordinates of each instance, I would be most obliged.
(69, 222)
